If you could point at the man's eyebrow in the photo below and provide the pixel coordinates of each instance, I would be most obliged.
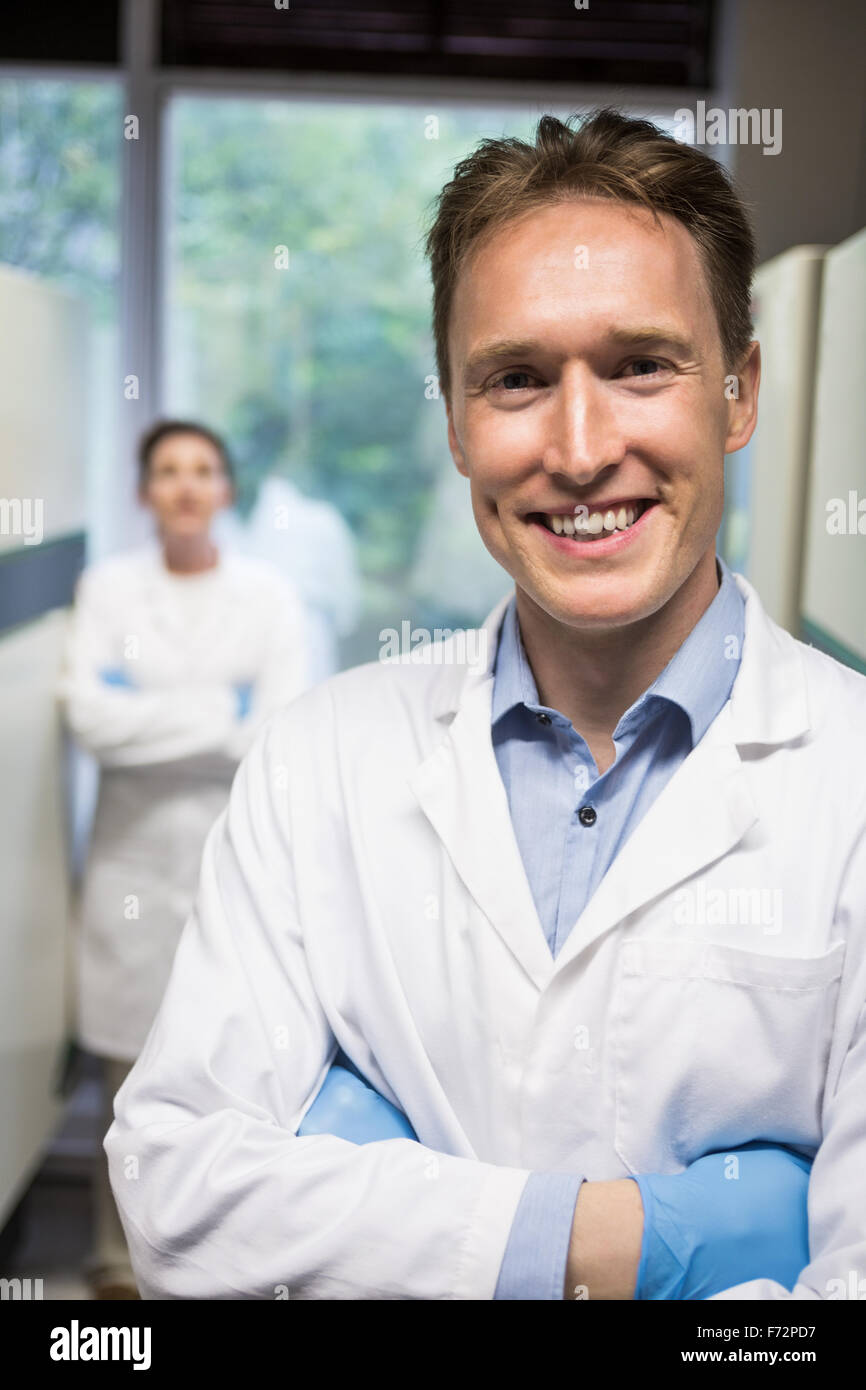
(652, 336)
(502, 349)
(499, 349)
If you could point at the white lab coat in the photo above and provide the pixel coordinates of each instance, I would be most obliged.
(167, 753)
(364, 888)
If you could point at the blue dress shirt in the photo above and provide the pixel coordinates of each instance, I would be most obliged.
(550, 776)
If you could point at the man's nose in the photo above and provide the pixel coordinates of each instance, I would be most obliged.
(583, 436)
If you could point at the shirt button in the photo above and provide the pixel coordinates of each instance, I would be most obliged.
(586, 815)
(543, 718)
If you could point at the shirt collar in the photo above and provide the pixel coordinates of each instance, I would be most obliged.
(698, 678)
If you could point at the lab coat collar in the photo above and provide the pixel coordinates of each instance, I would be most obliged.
(700, 815)
(697, 679)
(768, 699)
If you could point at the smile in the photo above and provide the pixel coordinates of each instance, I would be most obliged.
(601, 530)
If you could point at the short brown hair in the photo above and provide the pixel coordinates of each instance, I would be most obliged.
(610, 156)
(163, 428)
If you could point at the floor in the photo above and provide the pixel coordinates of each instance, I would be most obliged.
(48, 1235)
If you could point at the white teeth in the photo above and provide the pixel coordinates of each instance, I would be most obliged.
(596, 522)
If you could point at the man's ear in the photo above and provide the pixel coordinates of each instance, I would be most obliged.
(743, 402)
(454, 443)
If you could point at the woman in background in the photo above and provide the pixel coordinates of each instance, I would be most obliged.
(176, 655)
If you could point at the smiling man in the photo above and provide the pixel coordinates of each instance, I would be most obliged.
(480, 885)
(593, 429)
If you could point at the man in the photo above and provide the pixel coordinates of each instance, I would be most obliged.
(176, 654)
(510, 891)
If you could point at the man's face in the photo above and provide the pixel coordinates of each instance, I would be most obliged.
(560, 400)
(186, 484)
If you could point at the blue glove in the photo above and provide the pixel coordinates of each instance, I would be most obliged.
(705, 1232)
(115, 675)
(244, 693)
(350, 1109)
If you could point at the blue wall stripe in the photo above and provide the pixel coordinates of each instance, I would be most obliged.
(37, 578)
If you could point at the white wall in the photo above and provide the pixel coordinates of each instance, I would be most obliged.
(43, 401)
(43, 442)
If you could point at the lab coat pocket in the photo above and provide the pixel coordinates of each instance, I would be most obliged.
(714, 1046)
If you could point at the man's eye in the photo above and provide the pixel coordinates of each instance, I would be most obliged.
(641, 363)
(512, 381)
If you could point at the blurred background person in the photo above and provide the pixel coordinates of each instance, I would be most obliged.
(177, 652)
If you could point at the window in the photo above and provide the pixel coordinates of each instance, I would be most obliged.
(298, 322)
(59, 219)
